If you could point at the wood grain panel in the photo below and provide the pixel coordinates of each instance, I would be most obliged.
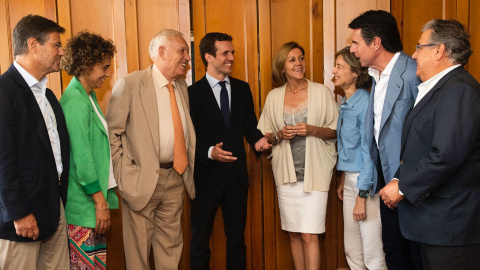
(474, 31)
(417, 13)
(6, 54)
(153, 16)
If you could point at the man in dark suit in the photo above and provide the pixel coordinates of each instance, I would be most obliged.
(440, 157)
(222, 113)
(34, 152)
(376, 42)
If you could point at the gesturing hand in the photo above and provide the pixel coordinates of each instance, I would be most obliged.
(27, 227)
(221, 155)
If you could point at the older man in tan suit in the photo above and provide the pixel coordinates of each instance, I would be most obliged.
(153, 147)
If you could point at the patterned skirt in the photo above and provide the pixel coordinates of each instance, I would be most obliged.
(88, 250)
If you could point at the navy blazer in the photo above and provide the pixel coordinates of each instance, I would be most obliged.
(210, 175)
(401, 93)
(28, 173)
(440, 171)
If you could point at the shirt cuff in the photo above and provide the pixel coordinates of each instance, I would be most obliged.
(399, 191)
(210, 152)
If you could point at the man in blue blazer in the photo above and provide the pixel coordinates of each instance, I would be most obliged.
(34, 152)
(222, 114)
(440, 159)
(376, 42)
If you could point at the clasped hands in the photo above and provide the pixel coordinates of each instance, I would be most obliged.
(390, 195)
(300, 129)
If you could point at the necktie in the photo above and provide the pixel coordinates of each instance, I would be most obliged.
(224, 106)
(180, 160)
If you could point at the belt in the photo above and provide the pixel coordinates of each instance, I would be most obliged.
(166, 165)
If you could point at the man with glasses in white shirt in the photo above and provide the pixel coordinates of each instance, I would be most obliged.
(438, 176)
(34, 152)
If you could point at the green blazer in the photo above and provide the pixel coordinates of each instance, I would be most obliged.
(89, 156)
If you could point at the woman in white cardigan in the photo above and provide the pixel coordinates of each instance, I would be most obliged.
(300, 117)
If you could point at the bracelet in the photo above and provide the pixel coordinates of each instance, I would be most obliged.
(106, 209)
(276, 140)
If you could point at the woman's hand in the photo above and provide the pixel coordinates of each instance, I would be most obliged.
(287, 133)
(340, 186)
(304, 129)
(102, 213)
(360, 209)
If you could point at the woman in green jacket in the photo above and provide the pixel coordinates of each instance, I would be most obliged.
(91, 187)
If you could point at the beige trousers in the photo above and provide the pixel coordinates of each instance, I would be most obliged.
(158, 225)
(363, 239)
(49, 254)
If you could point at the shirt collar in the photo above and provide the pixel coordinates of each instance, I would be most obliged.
(354, 98)
(375, 73)
(161, 80)
(430, 83)
(29, 79)
(213, 82)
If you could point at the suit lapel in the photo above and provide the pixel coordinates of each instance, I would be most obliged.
(210, 101)
(235, 91)
(415, 110)
(36, 115)
(394, 87)
(96, 119)
(149, 102)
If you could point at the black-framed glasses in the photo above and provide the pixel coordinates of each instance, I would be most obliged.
(424, 45)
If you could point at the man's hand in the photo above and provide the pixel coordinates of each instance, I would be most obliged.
(262, 144)
(223, 156)
(27, 227)
(360, 211)
(390, 195)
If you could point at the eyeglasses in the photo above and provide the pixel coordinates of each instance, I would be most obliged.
(57, 46)
(424, 45)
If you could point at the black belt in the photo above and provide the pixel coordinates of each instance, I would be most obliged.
(166, 165)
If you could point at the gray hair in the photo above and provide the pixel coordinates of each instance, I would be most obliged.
(161, 40)
(452, 34)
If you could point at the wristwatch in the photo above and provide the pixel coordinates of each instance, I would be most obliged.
(363, 193)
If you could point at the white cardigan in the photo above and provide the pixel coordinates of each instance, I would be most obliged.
(320, 155)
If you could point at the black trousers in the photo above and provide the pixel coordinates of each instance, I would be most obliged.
(400, 253)
(233, 202)
(450, 257)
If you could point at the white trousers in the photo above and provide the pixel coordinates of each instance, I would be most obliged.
(363, 239)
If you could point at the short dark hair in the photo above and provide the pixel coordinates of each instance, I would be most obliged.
(207, 44)
(379, 23)
(363, 80)
(84, 51)
(451, 33)
(279, 61)
(34, 26)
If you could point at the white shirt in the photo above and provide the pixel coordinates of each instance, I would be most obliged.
(165, 119)
(217, 88)
(381, 84)
(39, 89)
(111, 178)
(427, 85)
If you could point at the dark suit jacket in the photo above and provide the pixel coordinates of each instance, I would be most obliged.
(28, 174)
(210, 175)
(440, 164)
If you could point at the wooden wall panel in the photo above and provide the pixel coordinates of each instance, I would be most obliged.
(259, 28)
(474, 31)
